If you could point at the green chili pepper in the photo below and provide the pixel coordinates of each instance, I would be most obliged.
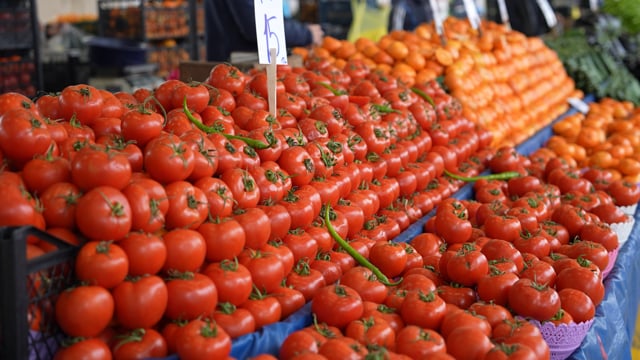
(333, 90)
(354, 253)
(256, 144)
(501, 176)
(424, 96)
(385, 109)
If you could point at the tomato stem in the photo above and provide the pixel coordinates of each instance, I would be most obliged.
(354, 253)
(500, 176)
(256, 144)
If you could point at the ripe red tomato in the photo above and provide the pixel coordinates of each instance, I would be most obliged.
(219, 197)
(265, 309)
(503, 227)
(600, 233)
(186, 250)
(494, 313)
(140, 342)
(467, 266)
(224, 237)
(424, 309)
(243, 187)
(93, 347)
(298, 163)
(103, 213)
(84, 310)
(59, 204)
(140, 302)
(298, 342)
(82, 102)
(337, 305)
(235, 321)
(168, 158)
(101, 263)
(365, 283)
(623, 192)
(290, 299)
(458, 319)
(494, 287)
(266, 268)
(389, 257)
(201, 339)
(40, 173)
(372, 331)
(228, 77)
(99, 166)
(305, 279)
(149, 204)
(232, 279)
(571, 217)
(343, 348)
(468, 343)
(188, 206)
(255, 223)
(146, 252)
(141, 125)
(502, 351)
(191, 295)
(531, 299)
(195, 94)
(23, 135)
(419, 343)
(583, 279)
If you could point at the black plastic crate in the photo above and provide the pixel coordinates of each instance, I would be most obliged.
(29, 290)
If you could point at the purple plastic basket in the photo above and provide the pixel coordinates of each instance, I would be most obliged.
(563, 339)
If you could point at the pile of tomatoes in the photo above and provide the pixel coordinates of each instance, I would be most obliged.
(485, 273)
(198, 211)
(201, 216)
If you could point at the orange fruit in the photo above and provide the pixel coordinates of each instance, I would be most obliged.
(398, 50)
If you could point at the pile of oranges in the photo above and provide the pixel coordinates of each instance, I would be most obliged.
(606, 137)
(511, 84)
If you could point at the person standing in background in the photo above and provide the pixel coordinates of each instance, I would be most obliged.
(408, 14)
(230, 27)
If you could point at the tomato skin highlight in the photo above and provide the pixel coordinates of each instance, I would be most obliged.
(84, 311)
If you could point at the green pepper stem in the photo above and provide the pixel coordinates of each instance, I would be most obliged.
(354, 253)
(501, 176)
(256, 144)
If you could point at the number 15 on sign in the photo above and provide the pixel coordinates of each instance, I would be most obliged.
(270, 31)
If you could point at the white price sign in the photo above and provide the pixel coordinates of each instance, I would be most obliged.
(437, 18)
(548, 13)
(270, 31)
(504, 13)
(472, 13)
(579, 105)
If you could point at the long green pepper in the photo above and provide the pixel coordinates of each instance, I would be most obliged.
(354, 253)
(256, 144)
(501, 176)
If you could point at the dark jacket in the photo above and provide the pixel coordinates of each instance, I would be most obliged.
(408, 14)
(525, 16)
(230, 26)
